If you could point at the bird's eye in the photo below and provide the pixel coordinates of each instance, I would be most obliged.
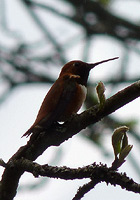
(76, 64)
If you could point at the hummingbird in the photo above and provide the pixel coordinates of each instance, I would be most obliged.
(66, 95)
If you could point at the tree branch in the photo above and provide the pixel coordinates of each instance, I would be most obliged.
(56, 135)
(97, 173)
(107, 21)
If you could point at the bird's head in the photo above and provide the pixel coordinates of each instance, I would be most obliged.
(82, 69)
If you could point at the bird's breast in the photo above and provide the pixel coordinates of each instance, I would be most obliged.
(76, 102)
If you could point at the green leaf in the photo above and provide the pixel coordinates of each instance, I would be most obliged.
(117, 139)
(124, 153)
(100, 92)
(120, 146)
(124, 141)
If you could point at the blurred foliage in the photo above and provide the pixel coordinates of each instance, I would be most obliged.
(104, 2)
(24, 61)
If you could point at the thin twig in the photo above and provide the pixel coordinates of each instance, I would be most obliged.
(85, 189)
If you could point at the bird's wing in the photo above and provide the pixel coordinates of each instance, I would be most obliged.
(66, 96)
(55, 102)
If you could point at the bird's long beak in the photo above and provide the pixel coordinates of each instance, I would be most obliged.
(92, 65)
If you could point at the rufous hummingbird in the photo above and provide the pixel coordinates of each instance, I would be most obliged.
(66, 96)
